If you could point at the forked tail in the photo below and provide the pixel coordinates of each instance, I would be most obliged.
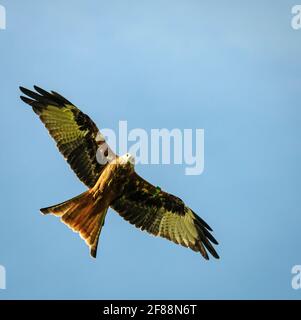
(83, 215)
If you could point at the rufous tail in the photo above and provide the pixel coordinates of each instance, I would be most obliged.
(83, 215)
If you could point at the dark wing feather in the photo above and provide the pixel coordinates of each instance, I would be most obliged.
(162, 214)
(76, 135)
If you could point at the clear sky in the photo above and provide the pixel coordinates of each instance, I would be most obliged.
(230, 67)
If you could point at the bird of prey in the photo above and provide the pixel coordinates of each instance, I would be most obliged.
(112, 182)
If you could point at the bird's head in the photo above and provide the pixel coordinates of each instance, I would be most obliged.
(128, 159)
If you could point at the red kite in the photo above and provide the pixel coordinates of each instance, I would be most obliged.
(112, 182)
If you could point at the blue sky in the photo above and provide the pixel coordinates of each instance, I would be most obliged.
(232, 68)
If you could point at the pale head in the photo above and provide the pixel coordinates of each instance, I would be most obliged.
(128, 158)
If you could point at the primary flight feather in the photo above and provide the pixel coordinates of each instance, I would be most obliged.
(112, 182)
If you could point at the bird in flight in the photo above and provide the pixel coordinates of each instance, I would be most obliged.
(112, 182)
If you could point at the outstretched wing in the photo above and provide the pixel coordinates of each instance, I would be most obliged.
(76, 135)
(162, 214)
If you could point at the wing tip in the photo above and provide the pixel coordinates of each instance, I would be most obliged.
(213, 253)
(44, 97)
(26, 100)
(93, 252)
(44, 211)
(206, 257)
